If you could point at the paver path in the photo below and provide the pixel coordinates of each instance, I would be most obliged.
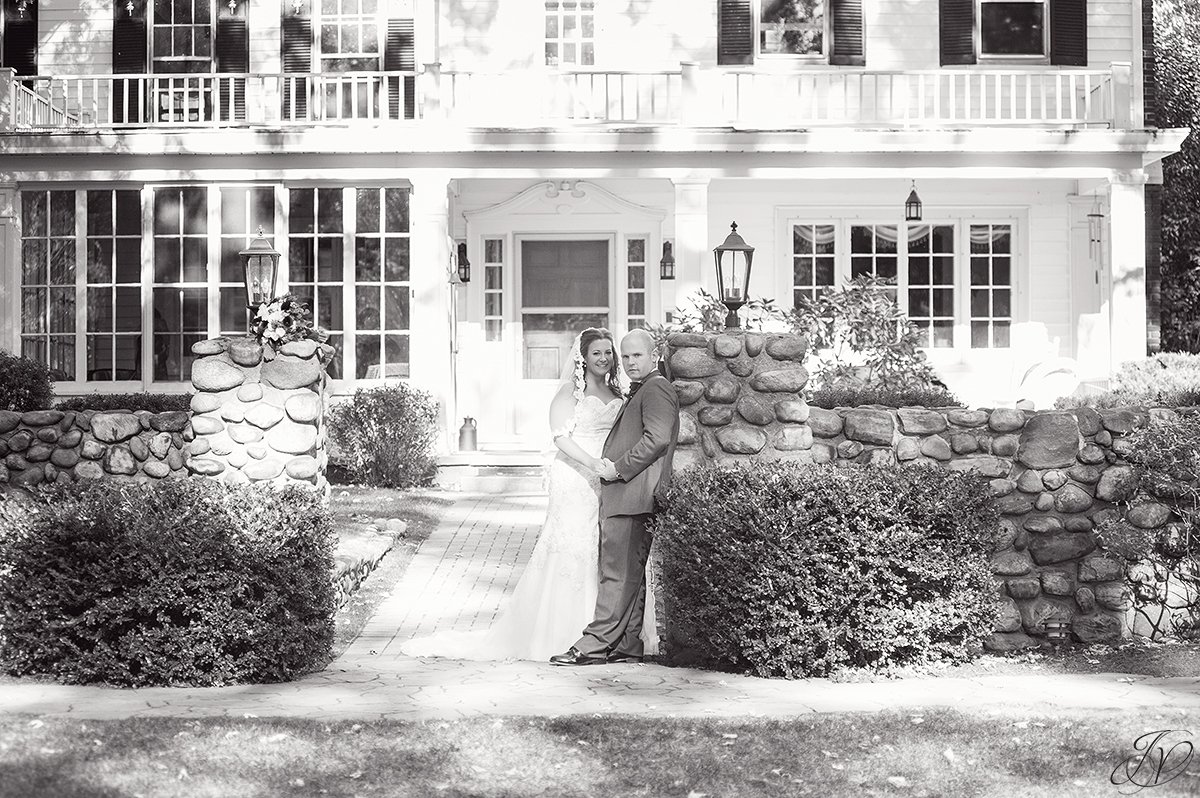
(459, 578)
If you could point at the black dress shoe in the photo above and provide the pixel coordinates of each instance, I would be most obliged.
(575, 657)
(614, 658)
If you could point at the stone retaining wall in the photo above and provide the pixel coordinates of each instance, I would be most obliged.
(1055, 474)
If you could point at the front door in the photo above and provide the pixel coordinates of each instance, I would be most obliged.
(564, 287)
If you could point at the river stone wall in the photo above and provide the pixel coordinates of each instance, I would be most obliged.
(47, 446)
(1055, 474)
(259, 414)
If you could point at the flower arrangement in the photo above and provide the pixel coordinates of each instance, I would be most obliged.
(283, 319)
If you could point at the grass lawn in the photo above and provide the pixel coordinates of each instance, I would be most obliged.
(939, 753)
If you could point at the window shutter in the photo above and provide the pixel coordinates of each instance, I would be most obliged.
(297, 43)
(849, 44)
(129, 56)
(399, 55)
(20, 38)
(735, 32)
(232, 48)
(1068, 32)
(957, 21)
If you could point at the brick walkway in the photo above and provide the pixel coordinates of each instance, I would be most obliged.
(458, 580)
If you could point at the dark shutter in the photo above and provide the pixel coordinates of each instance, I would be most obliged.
(849, 44)
(129, 56)
(297, 57)
(20, 38)
(957, 31)
(400, 55)
(1068, 32)
(232, 48)
(735, 32)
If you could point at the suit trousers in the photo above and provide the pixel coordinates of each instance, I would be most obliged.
(617, 625)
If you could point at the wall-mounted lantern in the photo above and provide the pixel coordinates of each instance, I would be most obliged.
(666, 266)
(912, 206)
(464, 265)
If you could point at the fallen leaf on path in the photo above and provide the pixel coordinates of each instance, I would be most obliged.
(898, 781)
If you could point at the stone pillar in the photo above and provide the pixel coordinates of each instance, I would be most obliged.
(1127, 267)
(693, 253)
(259, 413)
(430, 357)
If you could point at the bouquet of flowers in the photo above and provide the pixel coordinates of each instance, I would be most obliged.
(283, 319)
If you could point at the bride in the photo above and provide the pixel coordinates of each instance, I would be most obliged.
(556, 595)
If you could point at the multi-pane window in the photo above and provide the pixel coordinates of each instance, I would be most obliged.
(48, 280)
(493, 289)
(114, 284)
(182, 36)
(635, 285)
(316, 259)
(244, 212)
(1010, 28)
(349, 35)
(874, 252)
(570, 33)
(991, 284)
(931, 282)
(180, 302)
(814, 251)
(791, 27)
(382, 283)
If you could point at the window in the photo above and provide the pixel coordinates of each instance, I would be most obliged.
(813, 260)
(180, 278)
(114, 285)
(991, 285)
(181, 36)
(493, 289)
(931, 282)
(792, 28)
(635, 285)
(1013, 28)
(48, 280)
(383, 290)
(874, 253)
(316, 259)
(349, 35)
(570, 33)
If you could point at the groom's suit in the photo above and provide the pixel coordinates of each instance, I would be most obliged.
(641, 446)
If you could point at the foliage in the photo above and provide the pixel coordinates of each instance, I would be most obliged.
(177, 582)
(830, 397)
(154, 402)
(703, 312)
(24, 384)
(1163, 565)
(1177, 77)
(1163, 380)
(385, 436)
(779, 569)
(285, 319)
(860, 337)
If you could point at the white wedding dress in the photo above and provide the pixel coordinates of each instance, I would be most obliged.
(555, 597)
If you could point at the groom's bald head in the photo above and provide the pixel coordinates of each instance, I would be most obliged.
(639, 354)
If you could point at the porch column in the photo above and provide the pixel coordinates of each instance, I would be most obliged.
(10, 271)
(1127, 267)
(693, 253)
(429, 355)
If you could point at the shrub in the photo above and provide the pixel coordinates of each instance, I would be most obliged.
(1162, 380)
(179, 582)
(830, 397)
(24, 384)
(788, 570)
(154, 402)
(385, 436)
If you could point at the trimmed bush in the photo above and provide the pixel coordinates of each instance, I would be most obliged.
(1169, 379)
(787, 570)
(154, 402)
(830, 397)
(385, 436)
(180, 582)
(24, 384)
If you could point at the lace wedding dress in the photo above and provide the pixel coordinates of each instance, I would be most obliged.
(556, 595)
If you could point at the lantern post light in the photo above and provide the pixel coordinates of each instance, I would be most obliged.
(260, 267)
(734, 258)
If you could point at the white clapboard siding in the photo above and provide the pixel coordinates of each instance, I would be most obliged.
(74, 38)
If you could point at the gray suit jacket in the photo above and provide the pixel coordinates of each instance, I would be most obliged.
(642, 445)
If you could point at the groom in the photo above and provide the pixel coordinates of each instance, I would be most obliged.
(634, 475)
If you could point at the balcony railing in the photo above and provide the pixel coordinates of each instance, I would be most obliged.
(690, 97)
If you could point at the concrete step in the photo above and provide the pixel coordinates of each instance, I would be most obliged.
(492, 479)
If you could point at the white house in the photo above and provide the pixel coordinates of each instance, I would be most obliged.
(560, 145)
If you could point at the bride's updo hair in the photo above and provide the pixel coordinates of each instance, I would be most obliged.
(590, 336)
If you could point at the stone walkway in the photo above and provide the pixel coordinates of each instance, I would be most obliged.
(458, 580)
